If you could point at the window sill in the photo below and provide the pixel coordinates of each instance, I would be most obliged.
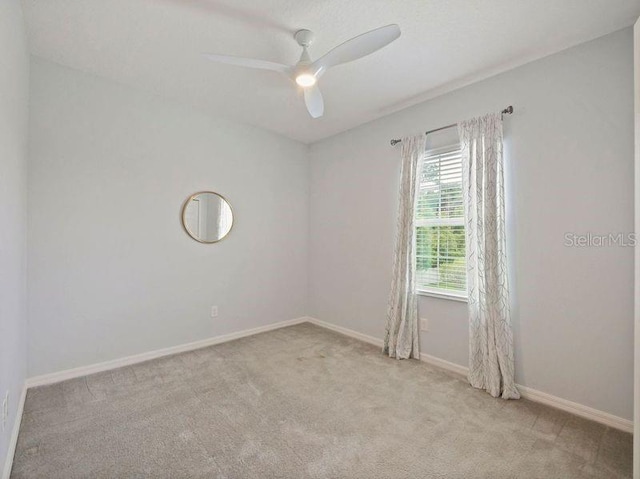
(449, 296)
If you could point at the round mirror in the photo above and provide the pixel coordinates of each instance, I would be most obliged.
(207, 217)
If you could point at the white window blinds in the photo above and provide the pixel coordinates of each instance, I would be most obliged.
(440, 235)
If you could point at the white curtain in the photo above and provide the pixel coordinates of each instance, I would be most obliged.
(402, 338)
(490, 338)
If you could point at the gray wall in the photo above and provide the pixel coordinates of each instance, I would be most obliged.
(14, 89)
(636, 87)
(111, 271)
(569, 152)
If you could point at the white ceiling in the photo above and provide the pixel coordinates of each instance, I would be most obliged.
(156, 45)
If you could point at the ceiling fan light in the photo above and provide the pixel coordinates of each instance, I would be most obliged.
(306, 80)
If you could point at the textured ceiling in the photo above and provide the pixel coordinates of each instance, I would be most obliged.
(156, 45)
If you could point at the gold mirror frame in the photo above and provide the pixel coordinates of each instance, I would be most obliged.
(184, 223)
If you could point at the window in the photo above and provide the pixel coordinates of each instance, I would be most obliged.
(440, 235)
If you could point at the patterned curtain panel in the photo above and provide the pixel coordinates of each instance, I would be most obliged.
(402, 338)
(490, 337)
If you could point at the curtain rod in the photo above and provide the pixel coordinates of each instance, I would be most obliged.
(507, 111)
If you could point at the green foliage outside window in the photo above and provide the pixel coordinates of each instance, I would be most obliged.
(440, 247)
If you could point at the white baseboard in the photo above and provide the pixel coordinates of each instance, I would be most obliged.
(526, 392)
(139, 358)
(443, 364)
(578, 409)
(347, 332)
(13, 440)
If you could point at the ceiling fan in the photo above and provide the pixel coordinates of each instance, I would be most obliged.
(306, 72)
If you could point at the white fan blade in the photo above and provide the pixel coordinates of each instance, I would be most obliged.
(357, 47)
(249, 63)
(313, 100)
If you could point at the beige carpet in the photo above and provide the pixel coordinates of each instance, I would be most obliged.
(301, 402)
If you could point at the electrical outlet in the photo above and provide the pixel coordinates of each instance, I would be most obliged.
(214, 311)
(424, 324)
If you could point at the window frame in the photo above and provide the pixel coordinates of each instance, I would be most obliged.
(440, 292)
